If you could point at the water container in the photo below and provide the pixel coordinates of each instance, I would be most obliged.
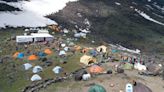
(129, 88)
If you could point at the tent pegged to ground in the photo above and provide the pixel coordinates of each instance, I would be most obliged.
(36, 77)
(85, 59)
(97, 88)
(48, 51)
(32, 58)
(96, 69)
(102, 48)
(20, 55)
(15, 55)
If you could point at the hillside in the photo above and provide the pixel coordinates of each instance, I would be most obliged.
(117, 22)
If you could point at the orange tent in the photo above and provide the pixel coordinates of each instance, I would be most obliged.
(48, 51)
(77, 48)
(15, 54)
(32, 57)
(96, 69)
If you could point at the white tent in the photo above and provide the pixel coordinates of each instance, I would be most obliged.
(27, 66)
(86, 77)
(34, 37)
(66, 48)
(63, 45)
(57, 69)
(62, 52)
(37, 69)
(36, 77)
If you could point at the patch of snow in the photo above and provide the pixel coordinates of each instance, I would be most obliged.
(119, 47)
(86, 21)
(84, 31)
(117, 3)
(79, 15)
(32, 14)
(78, 35)
(144, 15)
(149, 0)
(158, 15)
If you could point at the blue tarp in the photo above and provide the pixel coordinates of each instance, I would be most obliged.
(20, 55)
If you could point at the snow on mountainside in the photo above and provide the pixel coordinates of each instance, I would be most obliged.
(32, 12)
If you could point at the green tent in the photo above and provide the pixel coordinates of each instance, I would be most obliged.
(96, 88)
(128, 66)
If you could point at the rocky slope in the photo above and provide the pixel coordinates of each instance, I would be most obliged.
(117, 21)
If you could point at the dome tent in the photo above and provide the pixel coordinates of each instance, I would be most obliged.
(37, 69)
(97, 88)
(32, 57)
(62, 52)
(27, 66)
(102, 49)
(47, 51)
(85, 59)
(57, 69)
(36, 77)
(96, 69)
(15, 54)
(20, 55)
(41, 54)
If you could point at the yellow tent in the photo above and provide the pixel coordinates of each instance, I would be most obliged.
(102, 49)
(85, 59)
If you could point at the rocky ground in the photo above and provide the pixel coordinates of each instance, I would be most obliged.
(118, 80)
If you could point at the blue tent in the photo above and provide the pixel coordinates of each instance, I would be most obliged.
(93, 52)
(20, 55)
(41, 54)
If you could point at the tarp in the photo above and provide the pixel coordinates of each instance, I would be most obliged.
(96, 69)
(102, 49)
(85, 59)
(27, 66)
(36, 77)
(97, 88)
(20, 55)
(48, 51)
(32, 57)
(57, 69)
(37, 69)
